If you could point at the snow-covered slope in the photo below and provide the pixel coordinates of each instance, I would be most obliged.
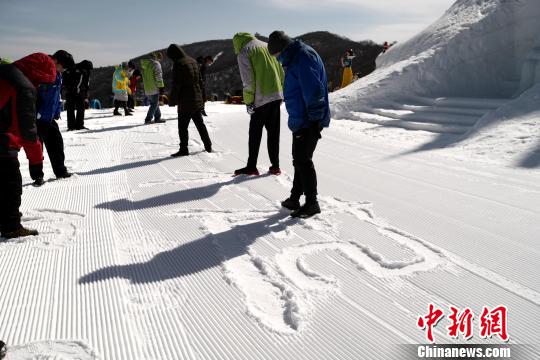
(480, 55)
(144, 256)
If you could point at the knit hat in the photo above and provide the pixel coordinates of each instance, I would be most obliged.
(64, 58)
(278, 41)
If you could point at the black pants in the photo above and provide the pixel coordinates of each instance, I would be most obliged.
(50, 136)
(305, 176)
(131, 102)
(10, 194)
(183, 124)
(267, 116)
(75, 103)
(120, 104)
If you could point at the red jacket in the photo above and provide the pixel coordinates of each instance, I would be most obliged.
(18, 83)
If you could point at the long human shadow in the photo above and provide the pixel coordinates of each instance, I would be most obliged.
(114, 128)
(195, 256)
(127, 166)
(182, 196)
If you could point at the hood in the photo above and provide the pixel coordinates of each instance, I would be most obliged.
(39, 68)
(85, 65)
(175, 52)
(240, 40)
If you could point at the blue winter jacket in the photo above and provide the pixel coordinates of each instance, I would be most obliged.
(49, 104)
(306, 87)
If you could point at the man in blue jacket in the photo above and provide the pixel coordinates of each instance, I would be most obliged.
(306, 100)
(48, 111)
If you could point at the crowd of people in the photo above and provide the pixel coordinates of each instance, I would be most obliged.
(281, 70)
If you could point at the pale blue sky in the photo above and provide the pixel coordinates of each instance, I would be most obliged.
(109, 32)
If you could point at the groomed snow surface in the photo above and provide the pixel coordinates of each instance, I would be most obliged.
(144, 256)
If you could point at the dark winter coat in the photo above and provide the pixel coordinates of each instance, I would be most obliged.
(187, 86)
(18, 97)
(49, 103)
(76, 80)
(306, 87)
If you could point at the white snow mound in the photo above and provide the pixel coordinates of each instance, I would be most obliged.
(478, 48)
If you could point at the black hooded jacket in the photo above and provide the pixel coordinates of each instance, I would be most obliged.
(76, 80)
(187, 86)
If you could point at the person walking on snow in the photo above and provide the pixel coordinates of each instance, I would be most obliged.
(49, 106)
(18, 82)
(120, 88)
(346, 64)
(306, 100)
(76, 83)
(262, 78)
(187, 93)
(154, 86)
(134, 76)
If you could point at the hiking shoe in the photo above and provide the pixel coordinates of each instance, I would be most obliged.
(180, 153)
(20, 232)
(39, 181)
(291, 204)
(274, 170)
(246, 171)
(307, 211)
(65, 175)
(3, 350)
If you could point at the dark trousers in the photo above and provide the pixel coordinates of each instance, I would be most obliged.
(267, 116)
(305, 176)
(120, 104)
(183, 124)
(50, 136)
(131, 102)
(75, 103)
(10, 194)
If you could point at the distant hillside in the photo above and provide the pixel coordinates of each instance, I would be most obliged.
(223, 77)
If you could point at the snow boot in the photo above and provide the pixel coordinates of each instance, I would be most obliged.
(246, 171)
(20, 232)
(180, 153)
(274, 170)
(117, 113)
(3, 350)
(291, 204)
(65, 175)
(307, 211)
(38, 182)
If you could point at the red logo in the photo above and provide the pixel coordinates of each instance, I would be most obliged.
(492, 322)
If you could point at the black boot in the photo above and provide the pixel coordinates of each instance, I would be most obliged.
(307, 211)
(182, 152)
(39, 181)
(246, 171)
(20, 232)
(291, 204)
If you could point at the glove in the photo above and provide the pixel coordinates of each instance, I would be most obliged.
(161, 90)
(250, 108)
(203, 112)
